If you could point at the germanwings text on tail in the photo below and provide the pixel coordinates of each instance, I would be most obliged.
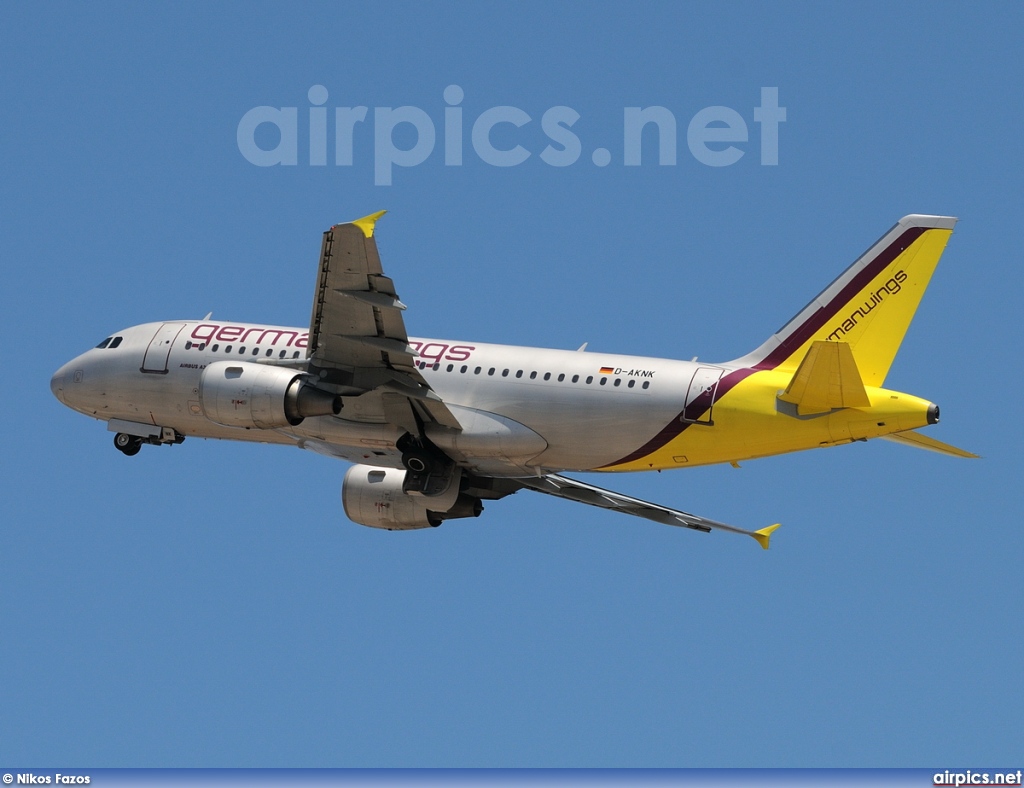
(435, 427)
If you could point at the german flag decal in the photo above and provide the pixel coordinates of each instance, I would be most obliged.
(607, 370)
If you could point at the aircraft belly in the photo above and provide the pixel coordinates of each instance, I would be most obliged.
(601, 437)
(342, 432)
(487, 441)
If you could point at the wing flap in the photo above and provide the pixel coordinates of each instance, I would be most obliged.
(357, 334)
(355, 302)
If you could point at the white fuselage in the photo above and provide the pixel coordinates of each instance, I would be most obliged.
(588, 409)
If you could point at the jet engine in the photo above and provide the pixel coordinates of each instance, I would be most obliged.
(244, 394)
(374, 497)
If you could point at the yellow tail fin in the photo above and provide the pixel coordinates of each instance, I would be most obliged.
(869, 306)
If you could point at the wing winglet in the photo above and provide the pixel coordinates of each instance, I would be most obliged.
(764, 535)
(367, 223)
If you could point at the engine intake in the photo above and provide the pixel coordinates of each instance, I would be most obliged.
(244, 394)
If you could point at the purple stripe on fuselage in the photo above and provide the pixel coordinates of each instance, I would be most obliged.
(812, 324)
(789, 345)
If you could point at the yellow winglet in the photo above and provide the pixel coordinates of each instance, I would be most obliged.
(764, 535)
(367, 222)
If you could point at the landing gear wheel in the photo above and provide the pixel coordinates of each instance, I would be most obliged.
(128, 445)
(418, 461)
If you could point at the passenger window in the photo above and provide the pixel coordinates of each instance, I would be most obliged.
(561, 376)
(477, 370)
(282, 354)
(270, 352)
(463, 370)
(255, 351)
(227, 348)
(215, 348)
(533, 376)
(116, 342)
(241, 350)
(631, 383)
(504, 373)
(519, 374)
(547, 376)
(188, 346)
(590, 379)
(104, 343)
(618, 381)
(451, 367)
(295, 354)
(490, 371)
(603, 381)
(647, 383)
(575, 378)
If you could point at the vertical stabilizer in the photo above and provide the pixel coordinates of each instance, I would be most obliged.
(869, 306)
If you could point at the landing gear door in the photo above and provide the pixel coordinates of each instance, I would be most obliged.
(700, 396)
(160, 348)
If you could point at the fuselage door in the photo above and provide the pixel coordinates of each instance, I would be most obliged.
(160, 348)
(700, 396)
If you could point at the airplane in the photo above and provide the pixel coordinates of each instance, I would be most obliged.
(436, 427)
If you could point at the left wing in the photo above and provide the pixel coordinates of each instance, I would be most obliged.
(357, 337)
(573, 490)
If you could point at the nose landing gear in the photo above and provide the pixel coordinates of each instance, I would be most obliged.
(128, 445)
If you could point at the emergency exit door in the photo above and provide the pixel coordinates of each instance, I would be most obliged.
(159, 349)
(700, 396)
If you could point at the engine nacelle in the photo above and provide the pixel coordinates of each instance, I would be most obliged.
(374, 497)
(244, 394)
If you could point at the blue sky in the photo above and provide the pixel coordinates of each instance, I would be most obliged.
(210, 605)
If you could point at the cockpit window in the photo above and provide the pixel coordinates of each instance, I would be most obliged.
(104, 343)
(116, 342)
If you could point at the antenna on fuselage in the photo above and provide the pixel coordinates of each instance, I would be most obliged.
(208, 316)
(582, 347)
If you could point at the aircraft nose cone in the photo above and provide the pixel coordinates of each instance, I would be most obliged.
(57, 384)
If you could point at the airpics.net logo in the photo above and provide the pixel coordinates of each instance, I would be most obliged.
(716, 136)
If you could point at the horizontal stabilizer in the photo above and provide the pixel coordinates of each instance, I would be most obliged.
(827, 378)
(916, 439)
